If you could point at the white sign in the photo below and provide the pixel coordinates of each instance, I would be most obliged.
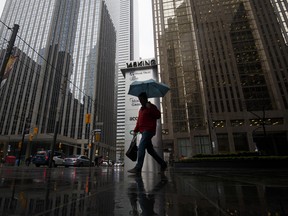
(141, 63)
(132, 106)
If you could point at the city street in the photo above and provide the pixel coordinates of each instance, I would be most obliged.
(111, 191)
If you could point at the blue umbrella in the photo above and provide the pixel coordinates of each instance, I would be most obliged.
(151, 87)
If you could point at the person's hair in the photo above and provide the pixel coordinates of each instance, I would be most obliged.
(143, 95)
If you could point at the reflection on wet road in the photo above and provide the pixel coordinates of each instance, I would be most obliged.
(138, 194)
(110, 191)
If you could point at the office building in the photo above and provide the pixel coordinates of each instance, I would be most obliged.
(64, 75)
(126, 40)
(226, 63)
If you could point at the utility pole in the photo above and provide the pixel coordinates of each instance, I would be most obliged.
(8, 51)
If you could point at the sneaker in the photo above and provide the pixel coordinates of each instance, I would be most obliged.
(163, 167)
(134, 170)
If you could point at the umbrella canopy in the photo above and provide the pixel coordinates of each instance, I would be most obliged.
(151, 87)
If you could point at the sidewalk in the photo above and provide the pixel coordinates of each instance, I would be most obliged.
(112, 191)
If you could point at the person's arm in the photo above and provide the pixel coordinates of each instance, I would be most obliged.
(136, 129)
(153, 110)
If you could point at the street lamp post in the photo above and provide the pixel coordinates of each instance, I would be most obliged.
(25, 128)
(90, 145)
(95, 136)
(59, 111)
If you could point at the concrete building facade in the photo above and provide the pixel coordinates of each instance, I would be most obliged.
(226, 63)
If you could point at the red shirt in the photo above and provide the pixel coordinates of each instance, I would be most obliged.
(147, 119)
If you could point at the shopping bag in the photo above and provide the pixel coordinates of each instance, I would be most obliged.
(133, 149)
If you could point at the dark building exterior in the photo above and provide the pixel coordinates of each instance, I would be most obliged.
(226, 63)
(64, 71)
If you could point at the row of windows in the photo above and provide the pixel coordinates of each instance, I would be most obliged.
(252, 122)
(180, 124)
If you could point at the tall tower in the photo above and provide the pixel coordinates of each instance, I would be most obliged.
(226, 63)
(125, 54)
(65, 69)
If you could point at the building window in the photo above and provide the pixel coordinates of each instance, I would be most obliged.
(223, 143)
(219, 123)
(240, 142)
(237, 122)
(267, 121)
(202, 145)
(184, 148)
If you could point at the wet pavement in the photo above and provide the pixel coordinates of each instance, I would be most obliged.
(112, 191)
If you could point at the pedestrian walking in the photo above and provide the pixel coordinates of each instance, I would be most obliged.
(146, 125)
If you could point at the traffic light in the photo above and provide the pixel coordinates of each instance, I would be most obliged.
(88, 118)
(19, 144)
(97, 137)
(30, 137)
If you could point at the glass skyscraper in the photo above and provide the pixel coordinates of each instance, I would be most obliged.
(126, 35)
(226, 62)
(65, 70)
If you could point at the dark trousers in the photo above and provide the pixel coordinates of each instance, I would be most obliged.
(146, 143)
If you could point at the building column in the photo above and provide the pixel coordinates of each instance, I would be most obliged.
(140, 71)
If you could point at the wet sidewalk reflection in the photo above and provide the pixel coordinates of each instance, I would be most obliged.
(110, 191)
(145, 199)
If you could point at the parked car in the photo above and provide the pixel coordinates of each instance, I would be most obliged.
(42, 158)
(10, 160)
(107, 163)
(119, 164)
(77, 161)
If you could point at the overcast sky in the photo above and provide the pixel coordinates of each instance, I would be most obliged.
(146, 41)
(146, 44)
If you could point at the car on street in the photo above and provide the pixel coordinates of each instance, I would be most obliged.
(119, 164)
(41, 158)
(77, 161)
(107, 163)
(9, 160)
